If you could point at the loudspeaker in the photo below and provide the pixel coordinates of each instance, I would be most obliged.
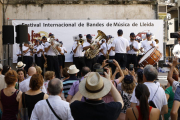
(21, 34)
(8, 34)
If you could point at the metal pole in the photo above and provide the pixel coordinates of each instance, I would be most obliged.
(8, 55)
(3, 14)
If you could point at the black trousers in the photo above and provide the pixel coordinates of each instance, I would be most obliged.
(63, 61)
(131, 59)
(53, 65)
(28, 60)
(80, 63)
(113, 67)
(39, 62)
(101, 59)
(138, 59)
(60, 60)
(121, 58)
(90, 62)
(19, 59)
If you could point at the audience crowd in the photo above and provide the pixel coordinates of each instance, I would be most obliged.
(89, 94)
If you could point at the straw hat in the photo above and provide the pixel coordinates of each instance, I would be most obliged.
(20, 65)
(94, 86)
(73, 69)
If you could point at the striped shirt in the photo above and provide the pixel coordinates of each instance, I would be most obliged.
(67, 84)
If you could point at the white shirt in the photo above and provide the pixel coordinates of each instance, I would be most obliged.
(50, 51)
(63, 49)
(103, 47)
(18, 52)
(159, 99)
(24, 48)
(135, 45)
(86, 44)
(111, 53)
(43, 44)
(120, 44)
(37, 49)
(42, 111)
(146, 45)
(176, 50)
(139, 46)
(79, 50)
(24, 85)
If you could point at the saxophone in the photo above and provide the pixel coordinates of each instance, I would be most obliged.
(90, 54)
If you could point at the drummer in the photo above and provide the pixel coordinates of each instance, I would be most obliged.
(148, 43)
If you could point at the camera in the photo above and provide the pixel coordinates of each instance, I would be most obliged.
(174, 35)
(131, 66)
(166, 65)
(110, 61)
(101, 71)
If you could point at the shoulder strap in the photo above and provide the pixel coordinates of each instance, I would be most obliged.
(134, 114)
(155, 92)
(115, 83)
(52, 110)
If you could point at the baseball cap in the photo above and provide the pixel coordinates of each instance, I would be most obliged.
(1, 67)
(88, 36)
(148, 34)
(128, 79)
(80, 35)
(43, 37)
(109, 36)
(132, 34)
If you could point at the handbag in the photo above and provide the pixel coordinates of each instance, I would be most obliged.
(52, 110)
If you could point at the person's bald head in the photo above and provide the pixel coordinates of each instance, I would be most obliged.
(55, 86)
(85, 70)
(31, 71)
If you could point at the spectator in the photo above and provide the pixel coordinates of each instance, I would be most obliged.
(157, 94)
(94, 87)
(42, 110)
(6, 68)
(65, 73)
(69, 82)
(32, 96)
(108, 98)
(24, 85)
(38, 70)
(21, 76)
(20, 65)
(176, 104)
(140, 76)
(75, 87)
(33, 64)
(49, 75)
(143, 111)
(10, 97)
(2, 81)
(126, 90)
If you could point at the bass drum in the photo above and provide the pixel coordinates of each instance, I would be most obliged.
(151, 57)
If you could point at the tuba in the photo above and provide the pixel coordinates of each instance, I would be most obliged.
(90, 54)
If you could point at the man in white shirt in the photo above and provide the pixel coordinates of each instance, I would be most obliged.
(120, 45)
(44, 55)
(103, 50)
(38, 54)
(157, 93)
(148, 43)
(24, 85)
(42, 110)
(2, 81)
(52, 57)
(18, 53)
(27, 57)
(139, 53)
(63, 51)
(79, 59)
(132, 53)
(176, 50)
(87, 45)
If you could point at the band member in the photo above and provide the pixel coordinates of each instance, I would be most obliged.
(44, 55)
(63, 51)
(87, 45)
(176, 50)
(18, 53)
(103, 50)
(132, 53)
(79, 60)
(157, 43)
(38, 53)
(140, 54)
(60, 58)
(27, 55)
(120, 45)
(52, 57)
(111, 54)
(147, 44)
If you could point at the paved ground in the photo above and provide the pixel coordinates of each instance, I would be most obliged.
(162, 78)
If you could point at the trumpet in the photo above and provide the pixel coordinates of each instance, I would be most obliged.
(80, 41)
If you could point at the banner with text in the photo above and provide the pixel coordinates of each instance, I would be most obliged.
(64, 30)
